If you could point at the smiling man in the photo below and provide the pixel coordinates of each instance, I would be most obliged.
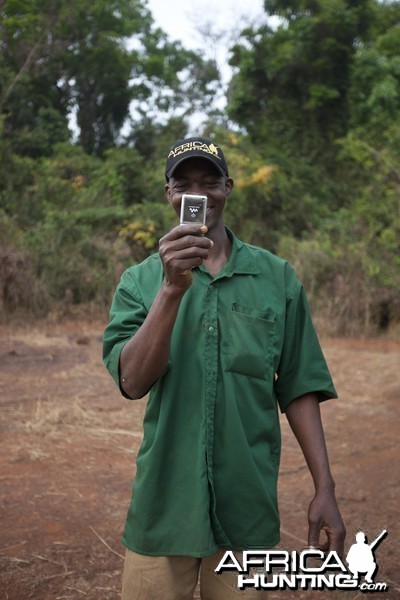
(220, 335)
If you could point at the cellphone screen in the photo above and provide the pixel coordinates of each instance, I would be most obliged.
(193, 209)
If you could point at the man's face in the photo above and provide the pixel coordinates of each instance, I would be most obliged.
(199, 176)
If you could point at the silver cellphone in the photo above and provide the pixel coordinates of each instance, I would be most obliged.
(193, 209)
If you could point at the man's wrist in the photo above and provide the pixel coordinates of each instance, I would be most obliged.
(172, 291)
(325, 485)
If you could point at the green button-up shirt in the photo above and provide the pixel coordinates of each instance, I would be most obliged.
(243, 343)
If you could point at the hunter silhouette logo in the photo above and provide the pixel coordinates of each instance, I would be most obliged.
(361, 559)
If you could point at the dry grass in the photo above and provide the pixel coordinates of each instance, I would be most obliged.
(48, 417)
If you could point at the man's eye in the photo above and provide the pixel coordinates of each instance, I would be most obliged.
(211, 184)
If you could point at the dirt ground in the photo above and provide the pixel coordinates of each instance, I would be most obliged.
(67, 455)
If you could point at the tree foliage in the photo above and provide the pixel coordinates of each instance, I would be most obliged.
(318, 100)
(92, 59)
(311, 134)
(292, 83)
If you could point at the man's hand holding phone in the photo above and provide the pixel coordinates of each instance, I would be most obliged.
(182, 249)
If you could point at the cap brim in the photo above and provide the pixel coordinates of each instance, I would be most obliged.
(171, 171)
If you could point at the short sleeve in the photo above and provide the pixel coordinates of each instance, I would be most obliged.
(302, 366)
(127, 313)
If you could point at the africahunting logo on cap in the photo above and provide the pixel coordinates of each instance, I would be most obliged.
(193, 146)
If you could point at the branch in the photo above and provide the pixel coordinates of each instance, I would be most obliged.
(23, 69)
(105, 543)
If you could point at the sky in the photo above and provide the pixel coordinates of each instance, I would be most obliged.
(211, 26)
(219, 21)
(178, 17)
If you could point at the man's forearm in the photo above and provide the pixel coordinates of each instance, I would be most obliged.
(144, 358)
(304, 419)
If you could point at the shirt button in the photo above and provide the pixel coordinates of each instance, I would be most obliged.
(211, 329)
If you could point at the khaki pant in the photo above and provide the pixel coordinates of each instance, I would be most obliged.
(175, 578)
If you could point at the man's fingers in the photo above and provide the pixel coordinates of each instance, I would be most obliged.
(182, 266)
(188, 241)
(193, 254)
(184, 253)
(313, 534)
(336, 539)
(183, 230)
(324, 515)
(184, 246)
(182, 249)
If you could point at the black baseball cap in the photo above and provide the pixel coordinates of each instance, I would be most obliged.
(195, 147)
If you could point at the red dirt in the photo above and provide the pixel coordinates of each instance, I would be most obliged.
(67, 448)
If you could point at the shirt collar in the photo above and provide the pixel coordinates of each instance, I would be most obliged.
(240, 262)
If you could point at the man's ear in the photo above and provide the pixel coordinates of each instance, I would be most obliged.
(228, 185)
(168, 193)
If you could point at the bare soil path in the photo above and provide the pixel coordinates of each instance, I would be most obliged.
(68, 443)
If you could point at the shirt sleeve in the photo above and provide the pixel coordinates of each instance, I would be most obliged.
(302, 367)
(127, 314)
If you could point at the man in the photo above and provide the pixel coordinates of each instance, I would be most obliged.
(219, 333)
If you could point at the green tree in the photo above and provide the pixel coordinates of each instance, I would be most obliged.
(93, 59)
(374, 93)
(291, 86)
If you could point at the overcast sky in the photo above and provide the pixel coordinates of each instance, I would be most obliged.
(178, 18)
(211, 26)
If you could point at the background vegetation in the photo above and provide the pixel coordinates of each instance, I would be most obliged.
(311, 131)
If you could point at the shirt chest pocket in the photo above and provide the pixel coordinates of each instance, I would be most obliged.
(249, 341)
